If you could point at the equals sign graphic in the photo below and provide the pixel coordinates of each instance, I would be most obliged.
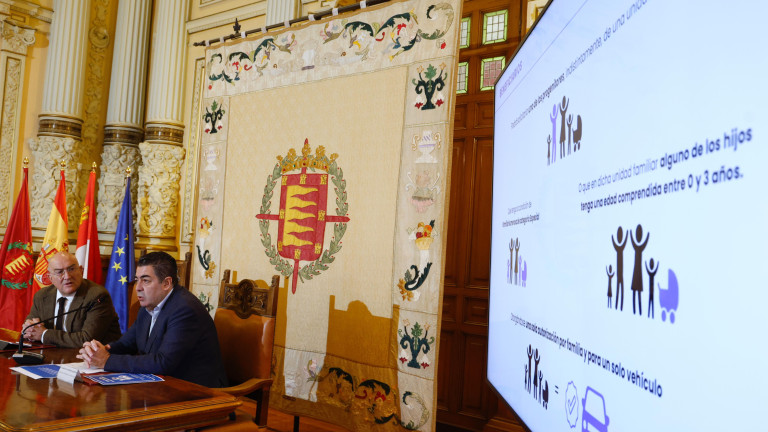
(556, 390)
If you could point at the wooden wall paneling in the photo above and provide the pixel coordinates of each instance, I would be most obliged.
(444, 360)
(464, 398)
(453, 254)
(484, 115)
(460, 117)
(476, 311)
(474, 394)
(480, 241)
(449, 309)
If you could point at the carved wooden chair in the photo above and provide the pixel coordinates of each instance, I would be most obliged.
(184, 269)
(245, 323)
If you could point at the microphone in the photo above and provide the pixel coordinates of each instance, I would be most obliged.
(30, 358)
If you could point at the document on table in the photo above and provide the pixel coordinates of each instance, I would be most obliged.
(124, 378)
(81, 367)
(38, 371)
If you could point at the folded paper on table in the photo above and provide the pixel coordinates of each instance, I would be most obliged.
(71, 372)
(38, 371)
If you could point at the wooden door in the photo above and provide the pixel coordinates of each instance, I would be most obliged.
(489, 35)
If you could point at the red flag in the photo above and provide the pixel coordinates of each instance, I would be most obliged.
(16, 265)
(55, 236)
(87, 252)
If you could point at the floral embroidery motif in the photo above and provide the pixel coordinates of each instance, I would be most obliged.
(424, 190)
(430, 84)
(344, 42)
(416, 344)
(205, 299)
(372, 400)
(422, 237)
(212, 117)
(203, 254)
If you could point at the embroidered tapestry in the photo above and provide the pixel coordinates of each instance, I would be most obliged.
(325, 157)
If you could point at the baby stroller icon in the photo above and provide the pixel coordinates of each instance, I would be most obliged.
(669, 298)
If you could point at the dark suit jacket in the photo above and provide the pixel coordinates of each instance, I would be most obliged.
(183, 343)
(99, 323)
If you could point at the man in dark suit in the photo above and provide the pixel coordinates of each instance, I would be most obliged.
(69, 292)
(173, 333)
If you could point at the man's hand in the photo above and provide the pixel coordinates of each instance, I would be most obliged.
(94, 354)
(34, 333)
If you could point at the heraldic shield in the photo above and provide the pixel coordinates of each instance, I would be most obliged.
(303, 213)
(301, 226)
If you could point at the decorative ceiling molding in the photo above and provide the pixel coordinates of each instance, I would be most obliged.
(27, 8)
(226, 17)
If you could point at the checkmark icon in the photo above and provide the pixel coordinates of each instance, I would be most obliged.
(571, 404)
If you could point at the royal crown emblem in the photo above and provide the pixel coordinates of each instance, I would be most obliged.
(303, 215)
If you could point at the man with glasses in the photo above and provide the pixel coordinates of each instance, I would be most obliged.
(69, 292)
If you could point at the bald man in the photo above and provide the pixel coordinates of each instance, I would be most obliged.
(69, 292)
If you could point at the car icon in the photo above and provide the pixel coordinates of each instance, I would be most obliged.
(593, 417)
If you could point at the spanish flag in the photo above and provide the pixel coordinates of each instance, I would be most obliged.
(87, 252)
(16, 263)
(55, 236)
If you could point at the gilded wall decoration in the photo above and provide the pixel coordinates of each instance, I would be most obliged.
(8, 134)
(15, 41)
(115, 159)
(158, 199)
(47, 153)
(96, 81)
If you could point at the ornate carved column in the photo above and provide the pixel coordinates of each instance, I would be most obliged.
(162, 152)
(13, 52)
(60, 131)
(159, 194)
(124, 130)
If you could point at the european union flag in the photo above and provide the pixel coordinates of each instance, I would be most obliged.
(122, 264)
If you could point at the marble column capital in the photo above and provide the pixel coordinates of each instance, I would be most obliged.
(16, 39)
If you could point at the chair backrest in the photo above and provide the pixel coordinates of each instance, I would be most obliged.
(245, 323)
(184, 269)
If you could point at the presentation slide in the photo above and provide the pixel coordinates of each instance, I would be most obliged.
(629, 219)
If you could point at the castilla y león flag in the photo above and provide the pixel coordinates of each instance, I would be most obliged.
(87, 252)
(16, 263)
(55, 236)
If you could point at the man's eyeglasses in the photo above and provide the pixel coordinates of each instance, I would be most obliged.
(69, 270)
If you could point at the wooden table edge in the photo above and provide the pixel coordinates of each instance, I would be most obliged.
(174, 416)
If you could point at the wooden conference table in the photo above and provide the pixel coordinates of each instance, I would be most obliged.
(51, 405)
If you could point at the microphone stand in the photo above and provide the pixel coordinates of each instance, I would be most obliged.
(31, 358)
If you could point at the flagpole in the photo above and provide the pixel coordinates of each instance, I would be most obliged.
(121, 271)
(87, 250)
